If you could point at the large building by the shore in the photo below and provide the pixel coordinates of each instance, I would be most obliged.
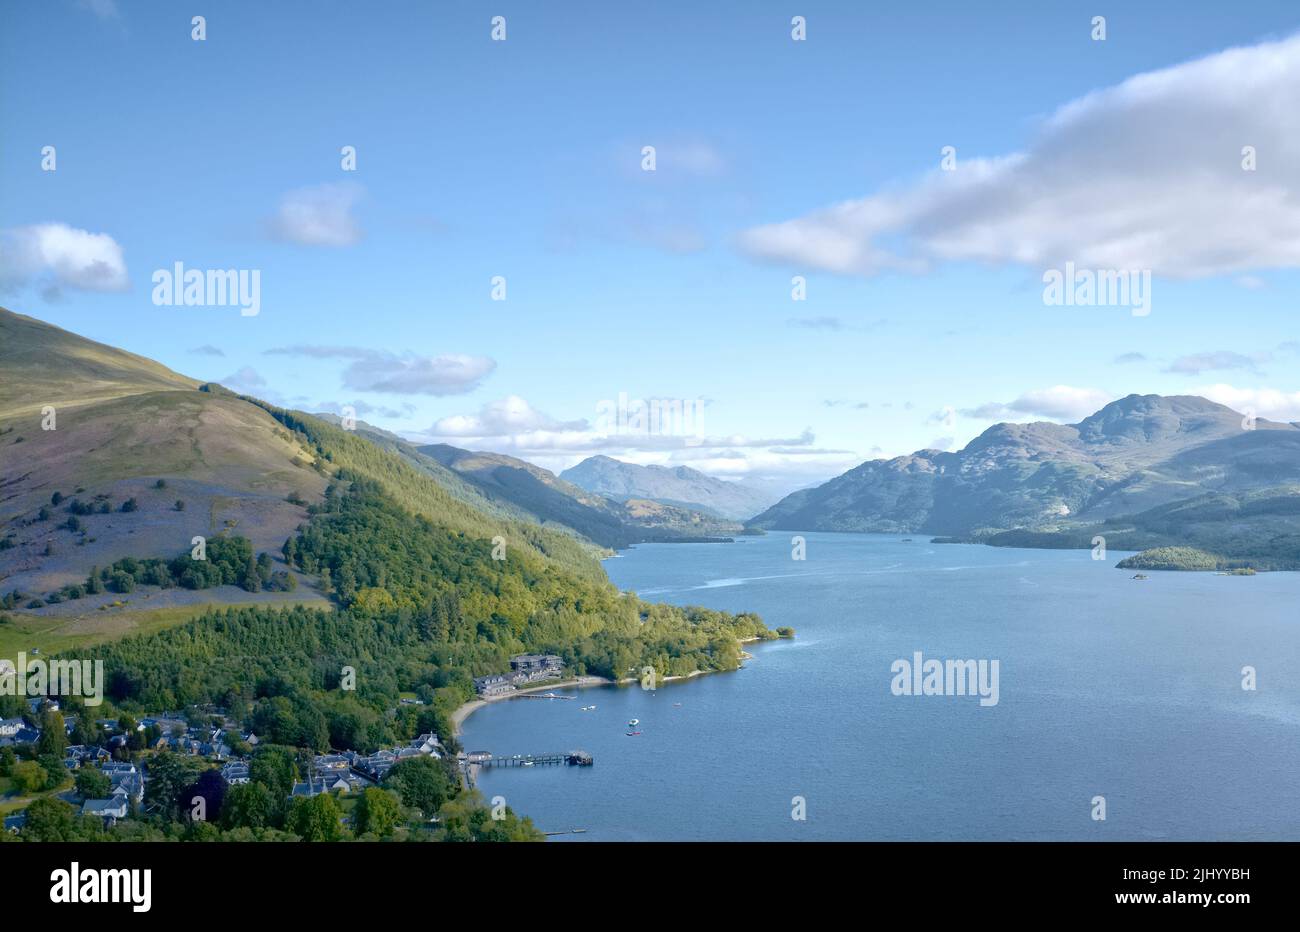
(524, 669)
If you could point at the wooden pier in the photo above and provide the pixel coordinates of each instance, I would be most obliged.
(570, 758)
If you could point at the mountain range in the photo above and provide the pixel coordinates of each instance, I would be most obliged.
(81, 418)
(1152, 470)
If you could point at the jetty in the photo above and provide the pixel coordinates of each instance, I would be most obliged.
(570, 758)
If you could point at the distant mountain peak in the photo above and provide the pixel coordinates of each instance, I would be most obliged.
(1147, 418)
(680, 486)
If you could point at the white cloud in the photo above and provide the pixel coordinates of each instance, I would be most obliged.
(1269, 403)
(408, 374)
(319, 216)
(1143, 175)
(401, 374)
(54, 256)
(508, 416)
(1060, 402)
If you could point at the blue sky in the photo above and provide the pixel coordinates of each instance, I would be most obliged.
(924, 320)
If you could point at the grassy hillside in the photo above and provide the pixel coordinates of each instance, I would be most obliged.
(231, 464)
(190, 459)
(43, 365)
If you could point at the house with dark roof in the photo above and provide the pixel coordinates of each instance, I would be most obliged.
(110, 810)
(314, 786)
(86, 753)
(126, 781)
(494, 684)
(235, 772)
(428, 744)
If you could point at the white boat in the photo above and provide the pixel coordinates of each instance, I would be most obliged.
(633, 721)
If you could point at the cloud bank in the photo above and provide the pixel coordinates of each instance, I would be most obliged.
(1147, 174)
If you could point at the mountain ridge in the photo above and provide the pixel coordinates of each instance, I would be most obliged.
(679, 486)
(1132, 455)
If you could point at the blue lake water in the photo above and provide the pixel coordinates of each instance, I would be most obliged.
(1109, 686)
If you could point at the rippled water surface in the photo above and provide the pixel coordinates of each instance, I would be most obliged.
(1109, 686)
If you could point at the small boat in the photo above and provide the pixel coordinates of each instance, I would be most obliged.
(633, 722)
(1140, 576)
(631, 733)
(528, 763)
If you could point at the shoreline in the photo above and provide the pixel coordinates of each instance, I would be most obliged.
(465, 710)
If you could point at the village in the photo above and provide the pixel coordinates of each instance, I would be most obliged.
(124, 746)
(202, 733)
